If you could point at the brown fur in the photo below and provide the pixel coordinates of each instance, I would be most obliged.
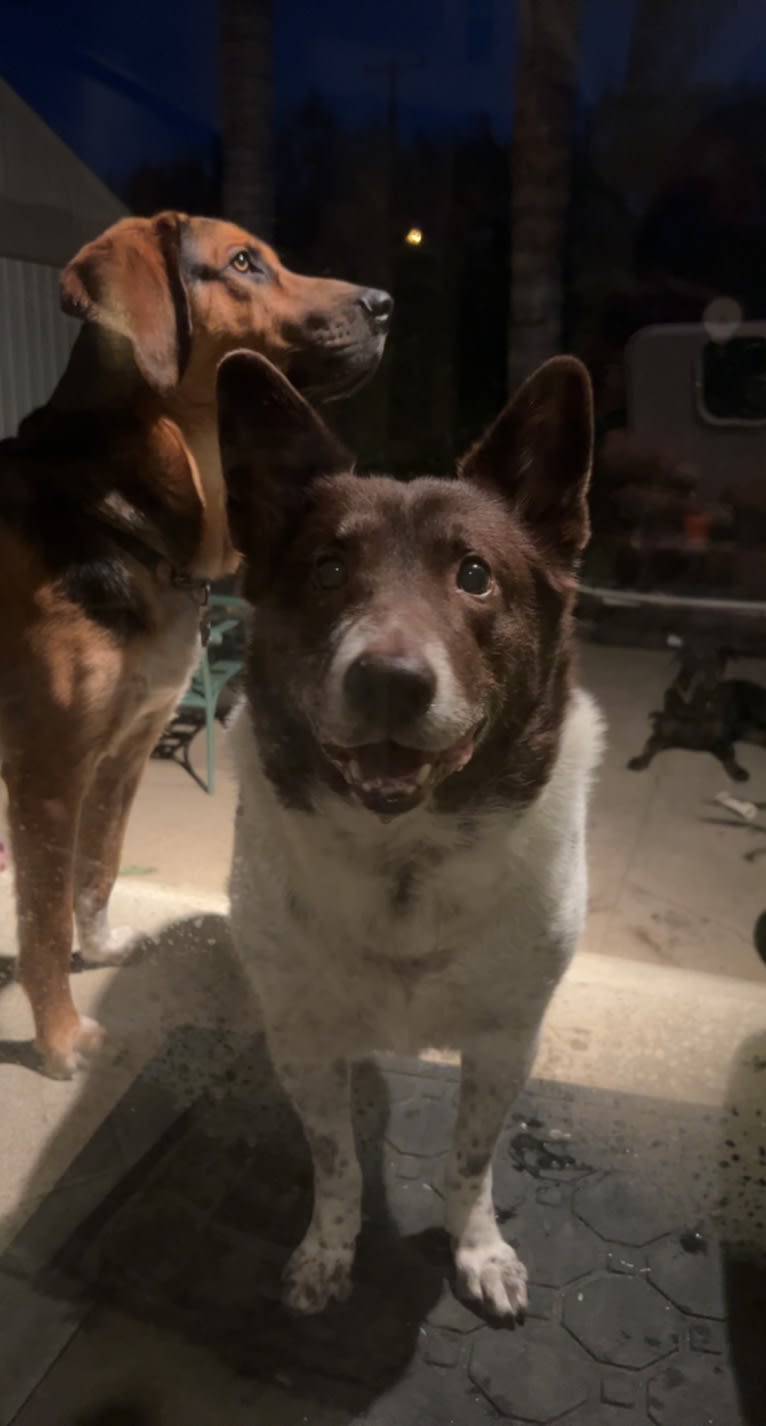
(95, 645)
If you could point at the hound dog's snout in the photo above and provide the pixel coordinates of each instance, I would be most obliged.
(379, 306)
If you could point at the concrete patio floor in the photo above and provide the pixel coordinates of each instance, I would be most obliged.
(670, 882)
(665, 1006)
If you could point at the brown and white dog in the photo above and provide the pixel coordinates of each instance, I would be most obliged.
(112, 522)
(414, 762)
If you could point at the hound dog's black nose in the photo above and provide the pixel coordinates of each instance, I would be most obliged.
(379, 305)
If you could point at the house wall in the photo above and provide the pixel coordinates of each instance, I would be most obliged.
(35, 338)
(50, 204)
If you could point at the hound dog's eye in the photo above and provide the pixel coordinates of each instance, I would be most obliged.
(331, 572)
(474, 576)
(243, 262)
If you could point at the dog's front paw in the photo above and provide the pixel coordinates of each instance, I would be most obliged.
(63, 1056)
(493, 1276)
(107, 947)
(316, 1275)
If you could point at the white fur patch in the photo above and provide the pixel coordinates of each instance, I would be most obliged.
(450, 713)
(361, 934)
(313, 904)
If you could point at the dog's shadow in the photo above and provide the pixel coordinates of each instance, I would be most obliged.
(195, 1232)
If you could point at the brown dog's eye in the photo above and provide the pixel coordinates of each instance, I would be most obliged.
(474, 576)
(331, 572)
(242, 261)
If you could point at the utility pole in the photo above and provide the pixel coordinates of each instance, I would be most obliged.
(247, 121)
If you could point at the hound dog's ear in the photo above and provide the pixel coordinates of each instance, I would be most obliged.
(130, 281)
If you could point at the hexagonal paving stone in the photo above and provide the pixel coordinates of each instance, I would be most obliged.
(692, 1280)
(431, 1397)
(620, 1389)
(622, 1321)
(531, 1374)
(452, 1315)
(421, 1126)
(697, 1393)
(555, 1247)
(412, 1206)
(510, 1187)
(542, 1301)
(597, 1414)
(441, 1349)
(706, 1336)
(625, 1210)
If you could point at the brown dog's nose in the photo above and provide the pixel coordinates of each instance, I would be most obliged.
(391, 691)
(379, 305)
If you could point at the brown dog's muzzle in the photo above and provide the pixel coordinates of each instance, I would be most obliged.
(336, 348)
(379, 305)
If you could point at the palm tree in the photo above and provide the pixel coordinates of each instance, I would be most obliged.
(541, 162)
(246, 114)
(667, 40)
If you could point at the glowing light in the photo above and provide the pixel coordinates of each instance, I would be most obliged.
(413, 237)
(721, 318)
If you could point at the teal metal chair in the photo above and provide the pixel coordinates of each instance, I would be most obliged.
(221, 661)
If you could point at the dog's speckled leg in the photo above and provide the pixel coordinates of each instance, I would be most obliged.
(488, 1270)
(320, 1268)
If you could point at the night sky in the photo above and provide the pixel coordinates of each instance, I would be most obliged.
(137, 83)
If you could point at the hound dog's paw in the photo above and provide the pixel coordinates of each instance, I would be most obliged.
(108, 948)
(318, 1273)
(63, 1059)
(492, 1276)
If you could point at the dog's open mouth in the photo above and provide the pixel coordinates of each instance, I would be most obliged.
(391, 778)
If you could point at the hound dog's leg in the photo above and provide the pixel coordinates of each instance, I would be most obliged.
(43, 809)
(103, 821)
(488, 1270)
(320, 1268)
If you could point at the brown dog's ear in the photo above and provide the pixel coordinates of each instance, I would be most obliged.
(538, 456)
(129, 281)
(273, 445)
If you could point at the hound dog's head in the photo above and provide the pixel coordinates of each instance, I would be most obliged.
(182, 292)
(412, 638)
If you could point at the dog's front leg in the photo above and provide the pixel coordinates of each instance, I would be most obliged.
(320, 1268)
(488, 1270)
(103, 821)
(43, 811)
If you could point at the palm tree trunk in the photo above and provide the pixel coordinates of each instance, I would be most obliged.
(541, 160)
(247, 123)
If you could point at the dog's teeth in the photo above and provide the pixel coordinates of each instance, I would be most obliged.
(355, 770)
(424, 773)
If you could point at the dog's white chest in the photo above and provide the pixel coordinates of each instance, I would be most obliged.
(415, 931)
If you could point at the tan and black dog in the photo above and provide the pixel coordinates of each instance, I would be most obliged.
(112, 524)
